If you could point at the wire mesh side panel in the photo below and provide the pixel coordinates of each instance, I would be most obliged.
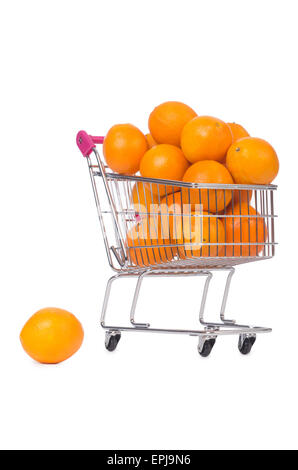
(182, 226)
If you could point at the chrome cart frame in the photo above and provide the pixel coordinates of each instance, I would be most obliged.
(123, 206)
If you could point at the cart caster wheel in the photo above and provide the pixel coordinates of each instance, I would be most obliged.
(245, 343)
(205, 346)
(112, 339)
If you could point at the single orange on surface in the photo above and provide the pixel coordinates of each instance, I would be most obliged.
(252, 161)
(150, 141)
(52, 335)
(237, 131)
(198, 230)
(141, 243)
(143, 198)
(247, 230)
(167, 121)
(212, 172)
(123, 148)
(164, 162)
(205, 138)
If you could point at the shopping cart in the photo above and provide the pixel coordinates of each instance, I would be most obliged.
(154, 227)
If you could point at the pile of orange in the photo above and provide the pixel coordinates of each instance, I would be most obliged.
(183, 146)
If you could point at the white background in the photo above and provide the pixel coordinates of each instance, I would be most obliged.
(71, 65)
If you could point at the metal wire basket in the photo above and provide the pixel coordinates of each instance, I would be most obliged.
(162, 227)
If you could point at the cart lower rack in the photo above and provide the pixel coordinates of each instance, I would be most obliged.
(167, 228)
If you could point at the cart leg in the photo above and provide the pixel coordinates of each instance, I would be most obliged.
(225, 297)
(208, 275)
(224, 321)
(204, 297)
(134, 303)
(112, 337)
(106, 299)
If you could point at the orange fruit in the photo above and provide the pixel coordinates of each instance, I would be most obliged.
(141, 241)
(52, 335)
(213, 232)
(241, 194)
(237, 131)
(171, 212)
(160, 190)
(208, 171)
(172, 199)
(167, 121)
(246, 230)
(150, 141)
(144, 200)
(163, 161)
(205, 138)
(123, 148)
(199, 229)
(252, 161)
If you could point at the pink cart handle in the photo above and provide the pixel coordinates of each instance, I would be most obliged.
(86, 142)
(97, 140)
